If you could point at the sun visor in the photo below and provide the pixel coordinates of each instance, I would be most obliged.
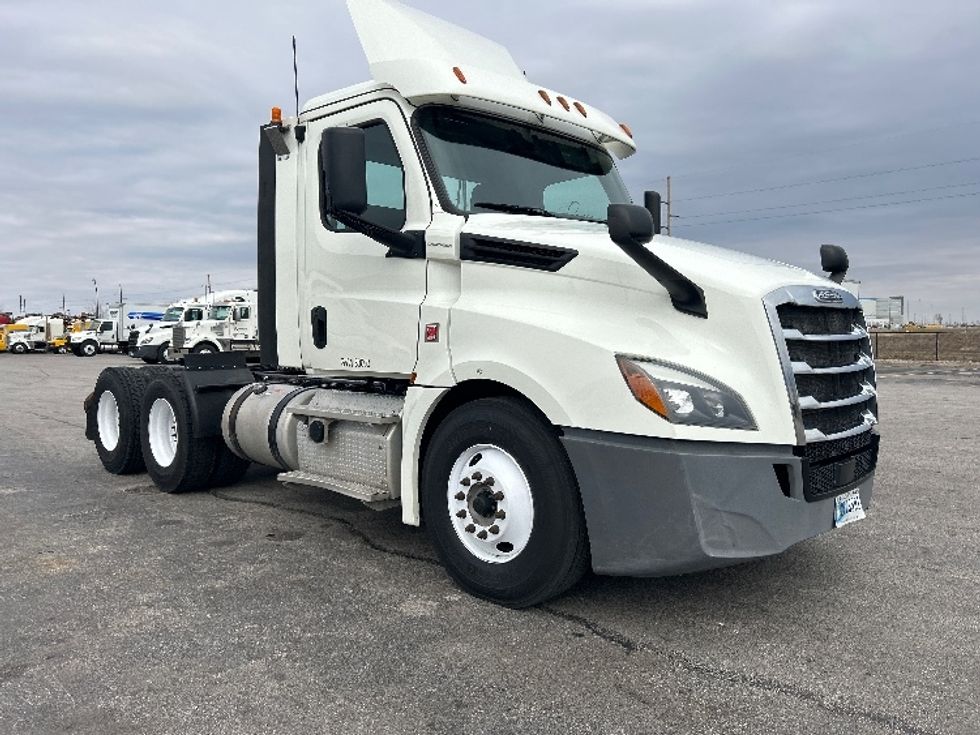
(426, 58)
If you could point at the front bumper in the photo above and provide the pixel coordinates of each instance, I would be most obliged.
(145, 352)
(658, 507)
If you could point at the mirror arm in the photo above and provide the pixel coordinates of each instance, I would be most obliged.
(685, 294)
(400, 244)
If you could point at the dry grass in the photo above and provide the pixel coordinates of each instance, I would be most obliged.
(957, 345)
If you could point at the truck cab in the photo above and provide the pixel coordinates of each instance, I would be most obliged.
(464, 314)
(231, 324)
(152, 342)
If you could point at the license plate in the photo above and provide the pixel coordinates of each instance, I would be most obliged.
(848, 508)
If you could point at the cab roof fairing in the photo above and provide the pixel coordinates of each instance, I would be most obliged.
(416, 54)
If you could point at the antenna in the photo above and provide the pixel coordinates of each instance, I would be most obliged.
(296, 78)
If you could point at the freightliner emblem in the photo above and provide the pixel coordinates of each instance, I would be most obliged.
(828, 296)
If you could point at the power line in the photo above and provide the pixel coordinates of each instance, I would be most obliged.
(838, 209)
(831, 180)
(828, 201)
(825, 149)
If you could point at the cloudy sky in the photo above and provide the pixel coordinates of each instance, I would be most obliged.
(131, 129)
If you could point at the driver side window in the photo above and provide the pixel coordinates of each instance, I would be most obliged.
(385, 181)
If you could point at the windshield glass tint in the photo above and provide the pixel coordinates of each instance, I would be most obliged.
(220, 312)
(488, 164)
(173, 314)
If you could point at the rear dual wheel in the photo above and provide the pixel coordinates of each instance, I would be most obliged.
(176, 460)
(502, 505)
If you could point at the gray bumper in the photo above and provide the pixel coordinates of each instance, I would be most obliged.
(656, 507)
(146, 352)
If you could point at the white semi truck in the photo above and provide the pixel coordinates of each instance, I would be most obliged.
(43, 331)
(231, 325)
(462, 313)
(111, 334)
(151, 343)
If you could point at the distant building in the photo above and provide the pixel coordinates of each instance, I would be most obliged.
(883, 312)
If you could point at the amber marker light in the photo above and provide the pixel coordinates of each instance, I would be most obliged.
(277, 116)
(581, 108)
(626, 129)
(459, 74)
(545, 96)
(642, 387)
(564, 103)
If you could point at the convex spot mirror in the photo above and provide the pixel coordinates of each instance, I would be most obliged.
(833, 260)
(343, 163)
(629, 223)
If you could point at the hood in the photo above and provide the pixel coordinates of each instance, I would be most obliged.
(600, 259)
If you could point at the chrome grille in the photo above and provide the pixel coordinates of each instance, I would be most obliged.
(826, 354)
(178, 337)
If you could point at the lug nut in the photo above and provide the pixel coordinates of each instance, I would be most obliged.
(482, 535)
(460, 496)
(461, 514)
(470, 528)
(490, 481)
(494, 530)
(477, 476)
(465, 481)
(498, 496)
(500, 514)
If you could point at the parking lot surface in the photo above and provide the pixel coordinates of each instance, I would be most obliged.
(264, 608)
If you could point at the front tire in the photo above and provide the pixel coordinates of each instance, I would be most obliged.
(176, 461)
(502, 505)
(205, 348)
(88, 349)
(18, 348)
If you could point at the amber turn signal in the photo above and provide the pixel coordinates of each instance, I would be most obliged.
(459, 74)
(642, 387)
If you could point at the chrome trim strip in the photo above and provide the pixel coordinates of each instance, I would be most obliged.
(809, 403)
(863, 363)
(869, 422)
(798, 336)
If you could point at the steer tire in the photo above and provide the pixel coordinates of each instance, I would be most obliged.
(176, 461)
(18, 348)
(89, 348)
(113, 418)
(543, 561)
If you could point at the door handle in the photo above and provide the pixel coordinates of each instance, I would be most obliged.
(318, 320)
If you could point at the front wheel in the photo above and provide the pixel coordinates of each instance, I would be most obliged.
(205, 348)
(502, 505)
(89, 349)
(18, 348)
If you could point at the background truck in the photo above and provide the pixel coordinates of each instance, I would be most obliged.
(42, 332)
(231, 326)
(151, 343)
(463, 315)
(8, 331)
(112, 333)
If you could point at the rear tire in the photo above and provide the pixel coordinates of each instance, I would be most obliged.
(229, 468)
(115, 418)
(176, 461)
(501, 504)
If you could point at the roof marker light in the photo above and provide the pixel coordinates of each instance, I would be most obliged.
(581, 108)
(459, 74)
(277, 116)
(626, 129)
(545, 96)
(564, 103)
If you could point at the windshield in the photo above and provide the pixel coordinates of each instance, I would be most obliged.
(173, 314)
(488, 164)
(220, 313)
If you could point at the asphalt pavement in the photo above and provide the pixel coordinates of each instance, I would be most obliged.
(265, 608)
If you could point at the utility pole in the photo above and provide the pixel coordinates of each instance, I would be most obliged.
(96, 284)
(208, 290)
(120, 296)
(670, 199)
(63, 310)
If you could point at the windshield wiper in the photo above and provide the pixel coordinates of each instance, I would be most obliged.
(515, 209)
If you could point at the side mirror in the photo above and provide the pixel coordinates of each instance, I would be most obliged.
(654, 205)
(833, 259)
(343, 163)
(629, 224)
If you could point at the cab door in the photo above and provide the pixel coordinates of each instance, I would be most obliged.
(360, 307)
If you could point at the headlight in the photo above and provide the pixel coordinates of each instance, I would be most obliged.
(683, 397)
(146, 340)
